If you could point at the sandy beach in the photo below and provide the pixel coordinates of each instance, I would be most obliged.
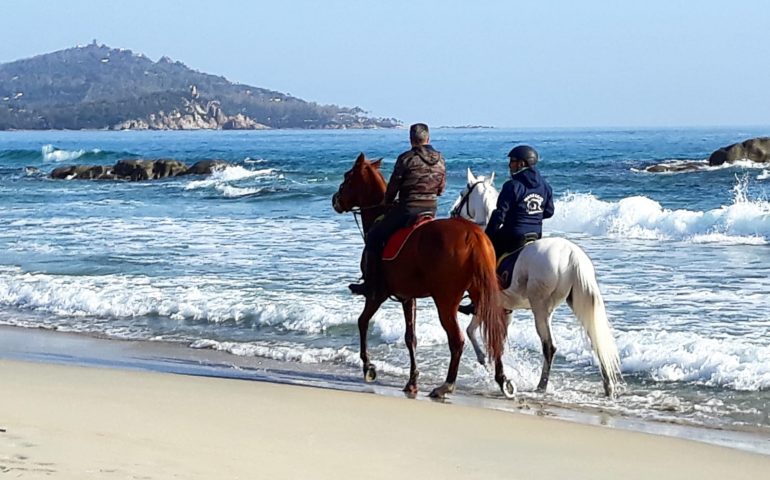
(73, 422)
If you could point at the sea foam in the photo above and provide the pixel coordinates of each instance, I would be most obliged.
(656, 353)
(745, 221)
(224, 177)
(659, 354)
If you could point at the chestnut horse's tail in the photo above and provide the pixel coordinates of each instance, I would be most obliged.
(485, 287)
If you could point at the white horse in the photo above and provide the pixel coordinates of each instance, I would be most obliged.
(547, 272)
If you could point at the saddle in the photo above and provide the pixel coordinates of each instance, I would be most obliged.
(507, 262)
(397, 241)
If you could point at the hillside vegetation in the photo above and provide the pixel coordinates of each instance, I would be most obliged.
(96, 87)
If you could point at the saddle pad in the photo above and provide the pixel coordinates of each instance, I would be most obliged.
(396, 241)
(505, 268)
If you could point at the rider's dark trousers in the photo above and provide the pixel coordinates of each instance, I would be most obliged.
(511, 244)
(395, 218)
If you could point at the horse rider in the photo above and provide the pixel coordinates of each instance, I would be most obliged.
(418, 178)
(525, 200)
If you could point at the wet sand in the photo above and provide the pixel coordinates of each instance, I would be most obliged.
(75, 422)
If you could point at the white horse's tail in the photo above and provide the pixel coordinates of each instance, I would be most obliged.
(587, 304)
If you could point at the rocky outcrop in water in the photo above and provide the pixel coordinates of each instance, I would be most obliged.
(206, 167)
(83, 172)
(754, 149)
(148, 169)
(676, 167)
(137, 170)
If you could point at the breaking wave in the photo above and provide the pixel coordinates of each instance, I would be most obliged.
(223, 180)
(744, 221)
(53, 154)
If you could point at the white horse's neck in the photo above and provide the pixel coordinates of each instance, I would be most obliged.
(487, 202)
(480, 200)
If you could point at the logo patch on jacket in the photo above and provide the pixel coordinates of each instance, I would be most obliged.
(534, 203)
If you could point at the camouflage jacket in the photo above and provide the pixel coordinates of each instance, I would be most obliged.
(418, 178)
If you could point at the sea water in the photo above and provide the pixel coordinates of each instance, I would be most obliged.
(252, 260)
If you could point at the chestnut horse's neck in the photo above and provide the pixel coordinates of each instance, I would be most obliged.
(372, 207)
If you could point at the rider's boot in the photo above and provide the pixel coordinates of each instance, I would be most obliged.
(358, 288)
(469, 309)
(371, 285)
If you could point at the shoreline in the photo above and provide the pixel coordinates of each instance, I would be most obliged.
(75, 422)
(76, 349)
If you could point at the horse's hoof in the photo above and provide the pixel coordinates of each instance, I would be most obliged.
(370, 374)
(509, 389)
(411, 390)
(436, 393)
(482, 361)
(610, 392)
(441, 391)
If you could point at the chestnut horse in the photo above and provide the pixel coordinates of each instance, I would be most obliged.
(442, 259)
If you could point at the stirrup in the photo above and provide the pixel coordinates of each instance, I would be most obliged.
(469, 309)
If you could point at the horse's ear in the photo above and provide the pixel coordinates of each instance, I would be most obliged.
(376, 164)
(361, 158)
(491, 180)
(471, 177)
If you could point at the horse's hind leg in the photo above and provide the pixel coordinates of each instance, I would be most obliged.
(370, 308)
(410, 314)
(472, 327)
(471, 331)
(447, 313)
(543, 325)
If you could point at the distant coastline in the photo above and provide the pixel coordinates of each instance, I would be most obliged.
(463, 127)
(95, 87)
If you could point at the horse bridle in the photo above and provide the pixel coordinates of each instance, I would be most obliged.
(357, 211)
(464, 201)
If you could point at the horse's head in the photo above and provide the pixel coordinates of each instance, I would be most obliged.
(363, 186)
(477, 200)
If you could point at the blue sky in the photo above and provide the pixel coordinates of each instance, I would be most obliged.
(507, 64)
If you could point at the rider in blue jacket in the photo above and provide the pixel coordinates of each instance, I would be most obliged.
(526, 199)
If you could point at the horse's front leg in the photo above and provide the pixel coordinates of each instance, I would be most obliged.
(370, 308)
(410, 314)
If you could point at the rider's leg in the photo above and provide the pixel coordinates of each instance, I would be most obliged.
(372, 258)
(366, 273)
(502, 246)
(468, 309)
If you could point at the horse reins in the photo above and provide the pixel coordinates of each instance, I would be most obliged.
(356, 211)
(464, 201)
